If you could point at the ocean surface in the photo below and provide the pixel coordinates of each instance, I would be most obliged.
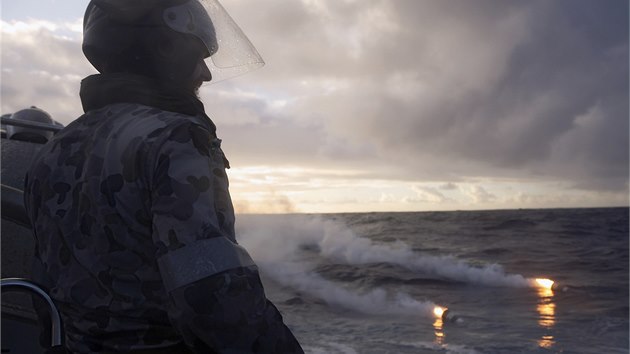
(368, 282)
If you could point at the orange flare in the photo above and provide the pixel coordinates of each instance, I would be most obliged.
(544, 283)
(439, 311)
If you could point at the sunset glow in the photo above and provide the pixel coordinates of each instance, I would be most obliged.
(317, 135)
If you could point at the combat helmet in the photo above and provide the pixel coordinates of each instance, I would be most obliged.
(164, 38)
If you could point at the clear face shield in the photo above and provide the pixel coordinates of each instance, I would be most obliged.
(230, 53)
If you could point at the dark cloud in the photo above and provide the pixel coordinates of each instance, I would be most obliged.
(532, 89)
(405, 90)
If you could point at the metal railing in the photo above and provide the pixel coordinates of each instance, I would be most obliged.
(8, 284)
(30, 124)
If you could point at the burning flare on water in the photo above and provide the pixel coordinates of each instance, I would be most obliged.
(439, 311)
(444, 315)
(544, 283)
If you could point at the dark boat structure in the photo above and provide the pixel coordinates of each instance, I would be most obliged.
(23, 133)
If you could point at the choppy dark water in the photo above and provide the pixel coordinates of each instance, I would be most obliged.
(367, 283)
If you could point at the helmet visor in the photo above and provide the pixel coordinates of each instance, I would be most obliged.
(230, 52)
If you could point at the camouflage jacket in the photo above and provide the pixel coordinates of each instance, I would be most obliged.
(135, 238)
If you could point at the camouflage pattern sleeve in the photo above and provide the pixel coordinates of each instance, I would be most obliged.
(217, 299)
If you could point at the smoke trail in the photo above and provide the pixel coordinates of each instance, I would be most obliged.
(375, 302)
(274, 243)
(342, 244)
(278, 239)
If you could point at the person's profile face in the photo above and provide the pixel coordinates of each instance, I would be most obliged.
(189, 69)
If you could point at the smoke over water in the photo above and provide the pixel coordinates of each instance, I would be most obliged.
(277, 244)
(376, 302)
(343, 245)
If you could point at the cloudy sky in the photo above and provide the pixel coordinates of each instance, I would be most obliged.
(389, 105)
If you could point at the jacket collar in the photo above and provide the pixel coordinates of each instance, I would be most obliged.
(100, 90)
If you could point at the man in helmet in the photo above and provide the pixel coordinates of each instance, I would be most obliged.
(129, 203)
